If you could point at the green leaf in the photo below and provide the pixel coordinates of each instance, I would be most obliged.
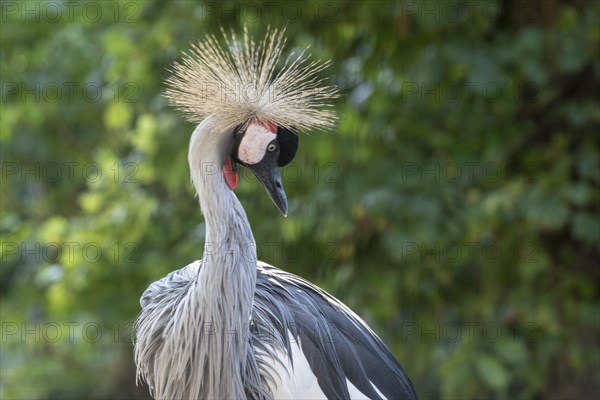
(493, 373)
(118, 116)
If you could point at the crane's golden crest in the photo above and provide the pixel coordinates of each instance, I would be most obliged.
(238, 82)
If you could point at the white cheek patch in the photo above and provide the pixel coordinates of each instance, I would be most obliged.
(253, 145)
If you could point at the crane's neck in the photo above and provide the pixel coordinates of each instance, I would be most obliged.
(227, 278)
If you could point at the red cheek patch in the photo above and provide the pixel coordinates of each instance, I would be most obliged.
(231, 178)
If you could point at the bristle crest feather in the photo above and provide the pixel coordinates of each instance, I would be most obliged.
(238, 82)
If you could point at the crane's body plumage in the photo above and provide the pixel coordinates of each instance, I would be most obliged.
(307, 343)
(229, 326)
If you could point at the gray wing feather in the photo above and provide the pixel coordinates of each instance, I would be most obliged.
(175, 280)
(335, 341)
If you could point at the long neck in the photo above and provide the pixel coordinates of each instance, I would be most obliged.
(226, 281)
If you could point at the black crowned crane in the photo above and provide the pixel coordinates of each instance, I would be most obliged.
(229, 326)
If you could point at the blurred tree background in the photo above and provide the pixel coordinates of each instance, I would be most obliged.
(455, 206)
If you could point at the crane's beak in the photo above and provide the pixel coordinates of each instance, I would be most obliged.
(268, 174)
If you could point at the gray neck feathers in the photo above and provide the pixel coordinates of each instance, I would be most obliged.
(207, 341)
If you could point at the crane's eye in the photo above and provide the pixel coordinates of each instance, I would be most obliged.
(272, 147)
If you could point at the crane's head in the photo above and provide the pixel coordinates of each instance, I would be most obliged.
(263, 148)
(256, 111)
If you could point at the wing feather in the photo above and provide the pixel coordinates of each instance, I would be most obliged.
(338, 345)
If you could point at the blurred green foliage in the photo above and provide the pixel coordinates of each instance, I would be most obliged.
(455, 207)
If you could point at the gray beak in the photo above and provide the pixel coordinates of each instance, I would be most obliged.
(268, 174)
